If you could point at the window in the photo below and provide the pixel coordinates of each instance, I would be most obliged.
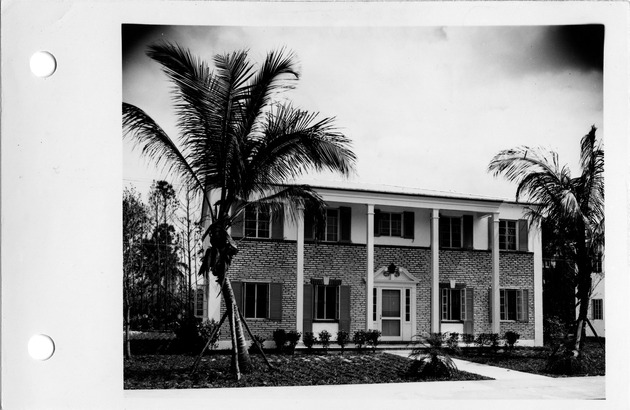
(453, 304)
(331, 232)
(199, 301)
(257, 223)
(326, 302)
(597, 265)
(256, 300)
(597, 309)
(514, 304)
(507, 235)
(390, 224)
(451, 232)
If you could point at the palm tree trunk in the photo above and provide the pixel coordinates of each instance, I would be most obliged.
(222, 251)
(583, 290)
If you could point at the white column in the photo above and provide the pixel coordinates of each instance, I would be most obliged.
(369, 282)
(496, 299)
(536, 238)
(299, 301)
(435, 271)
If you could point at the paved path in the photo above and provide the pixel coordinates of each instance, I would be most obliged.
(511, 384)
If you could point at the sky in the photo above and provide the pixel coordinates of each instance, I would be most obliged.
(425, 107)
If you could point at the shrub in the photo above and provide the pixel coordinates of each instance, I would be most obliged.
(293, 337)
(359, 339)
(280, 339)
(468, 339)
(430, 358)
(488, 340)
(452, 342)
(554, 331)
(372, 337)
(257, 341)
(187, 335)
(206, 329)
(511, 338)
(324, 339)
(342, 339)
(309, 340)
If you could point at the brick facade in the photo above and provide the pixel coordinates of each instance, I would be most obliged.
(275, 261)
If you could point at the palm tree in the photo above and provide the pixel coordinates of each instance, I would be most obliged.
(239, 141)
(572, 207)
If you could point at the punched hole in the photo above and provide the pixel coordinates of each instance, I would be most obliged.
(41, 347)
(43, 64)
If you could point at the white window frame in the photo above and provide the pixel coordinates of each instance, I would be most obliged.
(338, 227)
(506, 235)
(316, 301)
(504, 304)
(388, 215)
(256, 295)
(446, 311)
(257, 222)
(450, 232)
(599, 309)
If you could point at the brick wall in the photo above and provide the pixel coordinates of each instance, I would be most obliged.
(268, 261)
(275, 261)
(346, 262)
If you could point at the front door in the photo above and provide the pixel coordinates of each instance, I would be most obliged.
(391, 314)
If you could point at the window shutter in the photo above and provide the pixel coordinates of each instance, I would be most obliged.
(345, 220)
(277, 225)
(344, 308)
(377, 222)
(308, 225)
(490, 304)
(524, 314)
(237, 288)
(238, 225)
(444, 294)
(490, 233)
(522, 235)
(468, 231)
(307, 320)
(470, 311)
(408, 225)
(275, 301)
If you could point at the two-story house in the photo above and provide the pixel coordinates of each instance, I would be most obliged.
(401, 261)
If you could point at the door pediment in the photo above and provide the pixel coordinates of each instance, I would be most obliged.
(399, 275)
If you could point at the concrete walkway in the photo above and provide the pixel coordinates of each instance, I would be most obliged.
(511, 384)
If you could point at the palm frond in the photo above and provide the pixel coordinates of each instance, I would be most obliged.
(295, 142)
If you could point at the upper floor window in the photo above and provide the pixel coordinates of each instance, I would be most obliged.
(331, 231)
(451, 232)
(507, 235)
(257, 223)
(390, 224)
(395, 224)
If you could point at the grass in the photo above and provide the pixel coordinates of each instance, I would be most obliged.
(172, 371)
(534, 360)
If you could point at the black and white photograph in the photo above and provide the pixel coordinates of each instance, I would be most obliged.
(365, 205)
(314, 204)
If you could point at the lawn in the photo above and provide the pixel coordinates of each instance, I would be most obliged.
(172, 371)
(534, 360)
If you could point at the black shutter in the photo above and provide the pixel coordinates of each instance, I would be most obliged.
(277, 225)
(307, 322)
(524, 306)
(308, 226)
(490, 305)
(490, 233)
(470, 312)
(377, 222)
(275, 301)
(237, 288)
(468, 231)
(344, 308)
(345, 220)
(522, 235)
(408, 225)
(238, 225)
